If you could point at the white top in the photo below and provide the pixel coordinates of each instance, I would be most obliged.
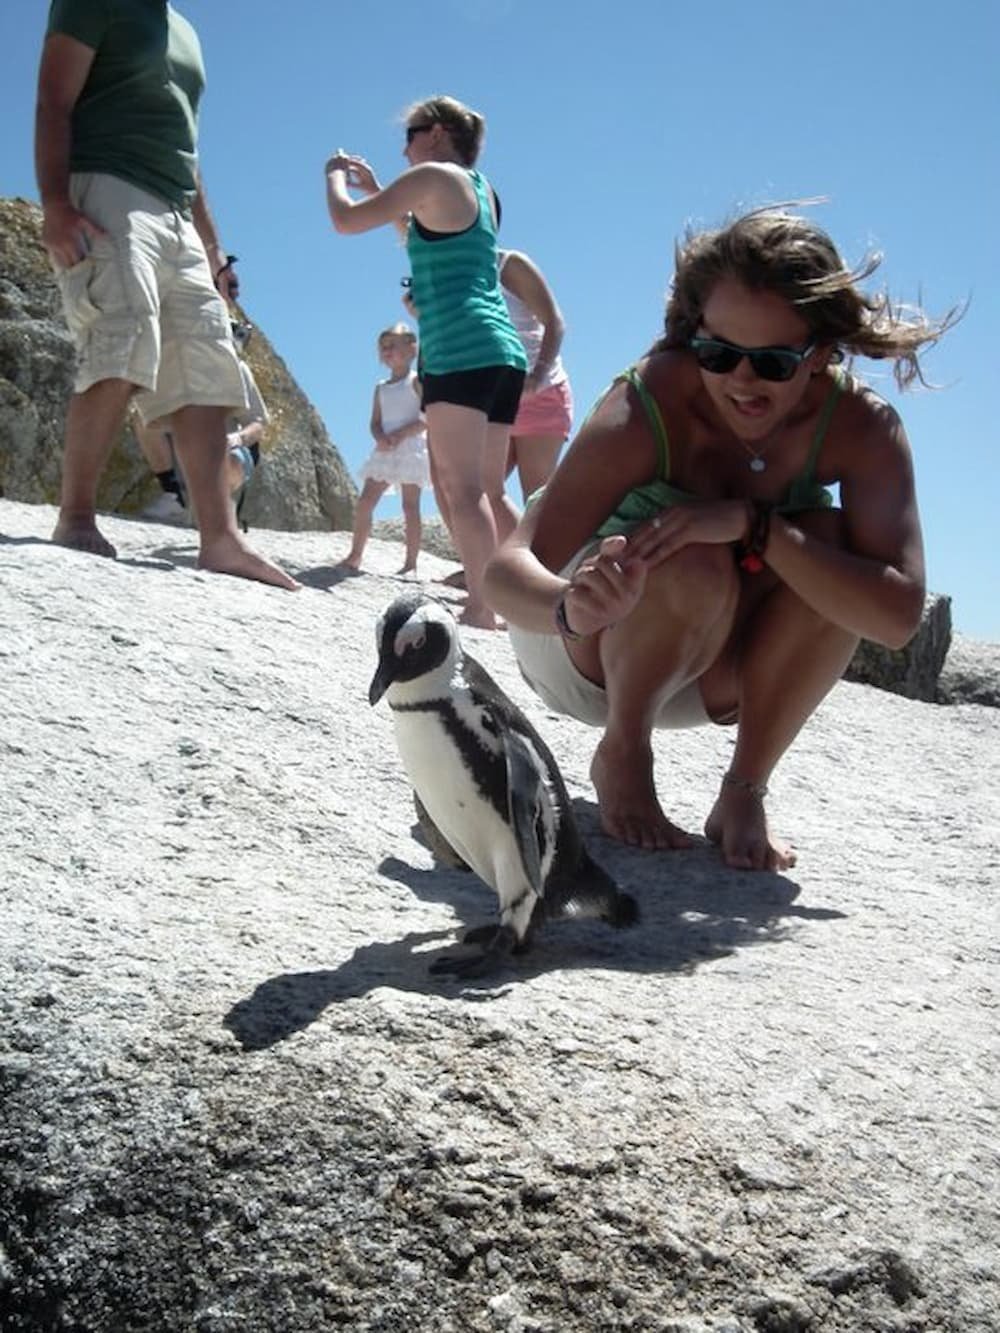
(399, 403)
(531, 331)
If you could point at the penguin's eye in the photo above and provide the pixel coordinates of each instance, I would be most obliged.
(412, 637)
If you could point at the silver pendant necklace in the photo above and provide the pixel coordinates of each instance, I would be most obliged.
(757, 462)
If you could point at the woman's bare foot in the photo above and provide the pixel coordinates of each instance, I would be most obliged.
(738, 823)
(81, 534)
(350, 561)
(228, 554)
(407, 569)
(623, 779)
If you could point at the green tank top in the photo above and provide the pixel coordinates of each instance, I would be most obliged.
(455, 285)
(647, 501)
(137, 115)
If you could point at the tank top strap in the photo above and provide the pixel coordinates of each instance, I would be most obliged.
(653, 415)
(823, 424)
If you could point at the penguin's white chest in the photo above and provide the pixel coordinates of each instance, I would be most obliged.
(445, 778)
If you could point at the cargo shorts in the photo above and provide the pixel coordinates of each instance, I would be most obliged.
(142, 306)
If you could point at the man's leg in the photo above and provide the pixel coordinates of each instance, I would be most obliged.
(202, 448)
(93, 421)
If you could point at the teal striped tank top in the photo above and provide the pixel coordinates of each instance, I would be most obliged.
(455, 285)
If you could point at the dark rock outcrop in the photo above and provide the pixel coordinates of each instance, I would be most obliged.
(971, 673)
(912, 671)
(302, 484)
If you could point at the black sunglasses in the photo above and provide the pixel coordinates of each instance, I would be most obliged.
(776, 364)
(413, 130)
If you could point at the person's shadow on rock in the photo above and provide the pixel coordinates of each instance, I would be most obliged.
(326, 577)
(693, 909)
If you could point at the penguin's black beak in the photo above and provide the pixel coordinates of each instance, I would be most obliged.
(382, 679)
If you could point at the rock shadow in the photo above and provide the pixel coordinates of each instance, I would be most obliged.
(693, 910)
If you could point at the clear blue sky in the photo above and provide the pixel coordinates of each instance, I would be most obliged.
(609, 128)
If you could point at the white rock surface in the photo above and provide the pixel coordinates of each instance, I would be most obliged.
(231, 1096)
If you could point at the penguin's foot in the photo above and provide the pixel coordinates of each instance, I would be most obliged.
(498, 942)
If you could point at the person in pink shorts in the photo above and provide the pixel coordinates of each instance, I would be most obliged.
(545, 415)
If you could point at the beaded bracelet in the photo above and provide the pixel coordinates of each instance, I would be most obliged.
(562, 624)
(750, 553)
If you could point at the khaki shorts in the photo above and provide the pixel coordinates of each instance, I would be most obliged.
(550, 671)
(142, 306)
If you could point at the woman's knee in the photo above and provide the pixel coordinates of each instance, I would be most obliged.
(700, 578)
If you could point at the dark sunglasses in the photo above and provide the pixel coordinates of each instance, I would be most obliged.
(413, 130)
(777, 364)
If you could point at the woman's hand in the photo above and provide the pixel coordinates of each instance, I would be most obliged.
(604, 589)
(711, 522)
(356, 169)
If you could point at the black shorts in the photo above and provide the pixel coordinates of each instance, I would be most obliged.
(495, 390)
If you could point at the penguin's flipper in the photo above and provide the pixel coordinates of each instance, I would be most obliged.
(438, 845)
(525, 794)
(499, 942)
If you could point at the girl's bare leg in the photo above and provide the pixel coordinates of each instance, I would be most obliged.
(457, 438)
(673, 635)
(371, 493)
(411, 521)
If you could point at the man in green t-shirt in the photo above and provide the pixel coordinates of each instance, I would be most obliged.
(143, 275)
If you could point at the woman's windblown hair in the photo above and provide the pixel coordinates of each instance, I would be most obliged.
(773, 250)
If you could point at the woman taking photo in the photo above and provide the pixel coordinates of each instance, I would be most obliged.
(685, 564)
(472, 361)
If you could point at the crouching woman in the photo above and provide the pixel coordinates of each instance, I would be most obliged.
(685, 563)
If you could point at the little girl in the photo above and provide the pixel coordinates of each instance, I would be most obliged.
(400, 454)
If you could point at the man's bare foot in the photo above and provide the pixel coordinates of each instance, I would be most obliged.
(228, 554)
(81, 534)
(407, 569)
(626, 797)
(738, 823)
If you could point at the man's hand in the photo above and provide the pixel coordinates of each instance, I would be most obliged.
(68, 234)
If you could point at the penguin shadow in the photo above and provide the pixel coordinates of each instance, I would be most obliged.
(693, 909)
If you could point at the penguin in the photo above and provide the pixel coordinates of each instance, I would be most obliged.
(487, 786)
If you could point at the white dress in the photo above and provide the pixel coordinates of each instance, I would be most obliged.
(406, 465)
